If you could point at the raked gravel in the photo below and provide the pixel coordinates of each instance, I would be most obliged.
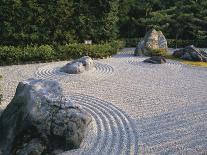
(136, 107)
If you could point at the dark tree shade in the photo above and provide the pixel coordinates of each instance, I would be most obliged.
(67, 21)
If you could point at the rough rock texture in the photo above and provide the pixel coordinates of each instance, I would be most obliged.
(152, 40)
(39, 119)
(156, 60)
(191, 53)
(78, 66)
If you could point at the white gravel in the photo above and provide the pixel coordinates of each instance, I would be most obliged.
(136, 107)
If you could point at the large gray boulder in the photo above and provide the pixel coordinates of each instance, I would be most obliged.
(152, 40)
(78, 66)
(39, 119)
(191, 53)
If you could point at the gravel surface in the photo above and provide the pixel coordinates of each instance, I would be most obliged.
(136, 107)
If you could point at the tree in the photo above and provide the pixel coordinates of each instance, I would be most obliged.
(96, 19)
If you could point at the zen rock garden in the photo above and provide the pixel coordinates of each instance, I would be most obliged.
(40, 120)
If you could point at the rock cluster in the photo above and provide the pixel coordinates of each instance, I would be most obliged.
(191, 53)
(78, 66)
(40, 120)
(152, 40)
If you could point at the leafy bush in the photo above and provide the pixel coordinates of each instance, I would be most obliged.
(118, 44)
(157, 52)
(78, 50)
(172, 43)
(131, 42)
(16, 55)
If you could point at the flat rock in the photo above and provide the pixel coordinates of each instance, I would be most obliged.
(152, 40)
(78, 66)
(156, 60)
(39, 119)
(191, 53)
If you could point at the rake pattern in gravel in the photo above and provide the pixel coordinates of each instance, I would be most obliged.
(114, 132)
(136, 107)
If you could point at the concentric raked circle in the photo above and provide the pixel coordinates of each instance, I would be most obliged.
(52, 71)
(172, 65)
(114, 131)
(128, 56)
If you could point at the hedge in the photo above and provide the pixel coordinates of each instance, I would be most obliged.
(17, 55)
(1, 96)
(157, 52)
(132, 42)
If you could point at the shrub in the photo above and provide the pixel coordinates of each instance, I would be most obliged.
(78, 50)
(118, 44)
(131, 42)
(157, 52)
(15, 55)
(180, 43)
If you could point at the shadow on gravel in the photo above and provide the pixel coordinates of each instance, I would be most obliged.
(183, 131)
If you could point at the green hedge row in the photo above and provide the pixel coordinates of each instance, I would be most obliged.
(132, 42)
(16, 55)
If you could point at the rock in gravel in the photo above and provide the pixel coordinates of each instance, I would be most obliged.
(78, 66)
(156, 60)
(152, 40)
(191, 53)
(39, 119)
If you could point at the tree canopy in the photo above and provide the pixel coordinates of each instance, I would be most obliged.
(67, 21)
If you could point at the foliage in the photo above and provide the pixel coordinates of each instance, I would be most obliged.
(0, 91)
(79, 50)
(62, 21)
(73, 21)
(96, 20)
(184, 20)
(131, 42)
(118, 44)
(157, 52)
(16, 55)
(172, 43)
(193, 63)
(170, 56)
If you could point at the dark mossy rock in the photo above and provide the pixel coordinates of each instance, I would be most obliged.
(191, 53)
(156, 60)
(152, 40)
